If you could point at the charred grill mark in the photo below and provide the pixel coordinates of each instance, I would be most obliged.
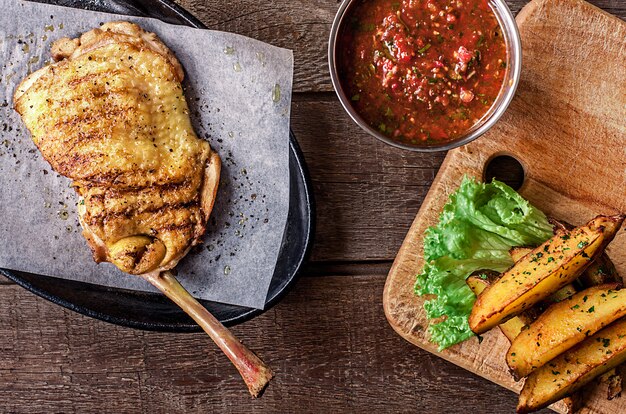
(74, 82)
(88, 118)
(131, 211)
(176, 227)
(96, 198)
(70, 163)
(82, 138)
(152, 188)
(96, 181)
(104, 92)
(68, 103)
(90, 77)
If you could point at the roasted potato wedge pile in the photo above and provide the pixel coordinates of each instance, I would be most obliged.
(514, 326)
(562, 307)
(546, 269)
(578, 317)
(573, 369)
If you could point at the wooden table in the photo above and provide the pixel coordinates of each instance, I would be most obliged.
(328, 340)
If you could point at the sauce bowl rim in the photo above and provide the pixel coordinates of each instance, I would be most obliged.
(514, 55)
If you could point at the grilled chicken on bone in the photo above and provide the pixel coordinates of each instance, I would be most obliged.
(111, 115)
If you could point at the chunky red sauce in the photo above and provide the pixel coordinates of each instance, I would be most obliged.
(422, 71)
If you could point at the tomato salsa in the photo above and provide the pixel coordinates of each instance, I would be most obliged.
(422, 71)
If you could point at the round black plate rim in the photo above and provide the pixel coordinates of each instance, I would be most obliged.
(245, 313)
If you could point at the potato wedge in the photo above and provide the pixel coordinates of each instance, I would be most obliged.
(539, 274)
(573, 403)
(603, 271)
(565, 292)
(514, 326)
(518, 252)
(477, 283)
(614, 388)
(481, 280)
(600, 271)
(560, 226)
(573, 369)
(565, 324)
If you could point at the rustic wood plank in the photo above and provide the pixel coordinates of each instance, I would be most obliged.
(346, 268)
(328, 341)
(367, 193)
(301, 25)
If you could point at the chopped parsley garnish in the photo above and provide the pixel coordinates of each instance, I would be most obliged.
(424, 49)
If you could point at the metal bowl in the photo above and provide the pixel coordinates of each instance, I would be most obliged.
(514, 66)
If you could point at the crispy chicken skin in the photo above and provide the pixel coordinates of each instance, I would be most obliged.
(111, 115)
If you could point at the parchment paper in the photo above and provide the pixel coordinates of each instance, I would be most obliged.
(239, 93)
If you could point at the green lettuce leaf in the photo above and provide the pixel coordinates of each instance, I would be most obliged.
(476, 229)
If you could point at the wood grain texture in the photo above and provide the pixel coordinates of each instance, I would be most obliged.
(566, 126)
(328, 340)
(332, 353)
(367, 193)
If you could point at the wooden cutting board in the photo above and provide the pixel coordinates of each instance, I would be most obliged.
(567, 127)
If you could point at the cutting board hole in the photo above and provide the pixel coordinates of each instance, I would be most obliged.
(506, 169)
